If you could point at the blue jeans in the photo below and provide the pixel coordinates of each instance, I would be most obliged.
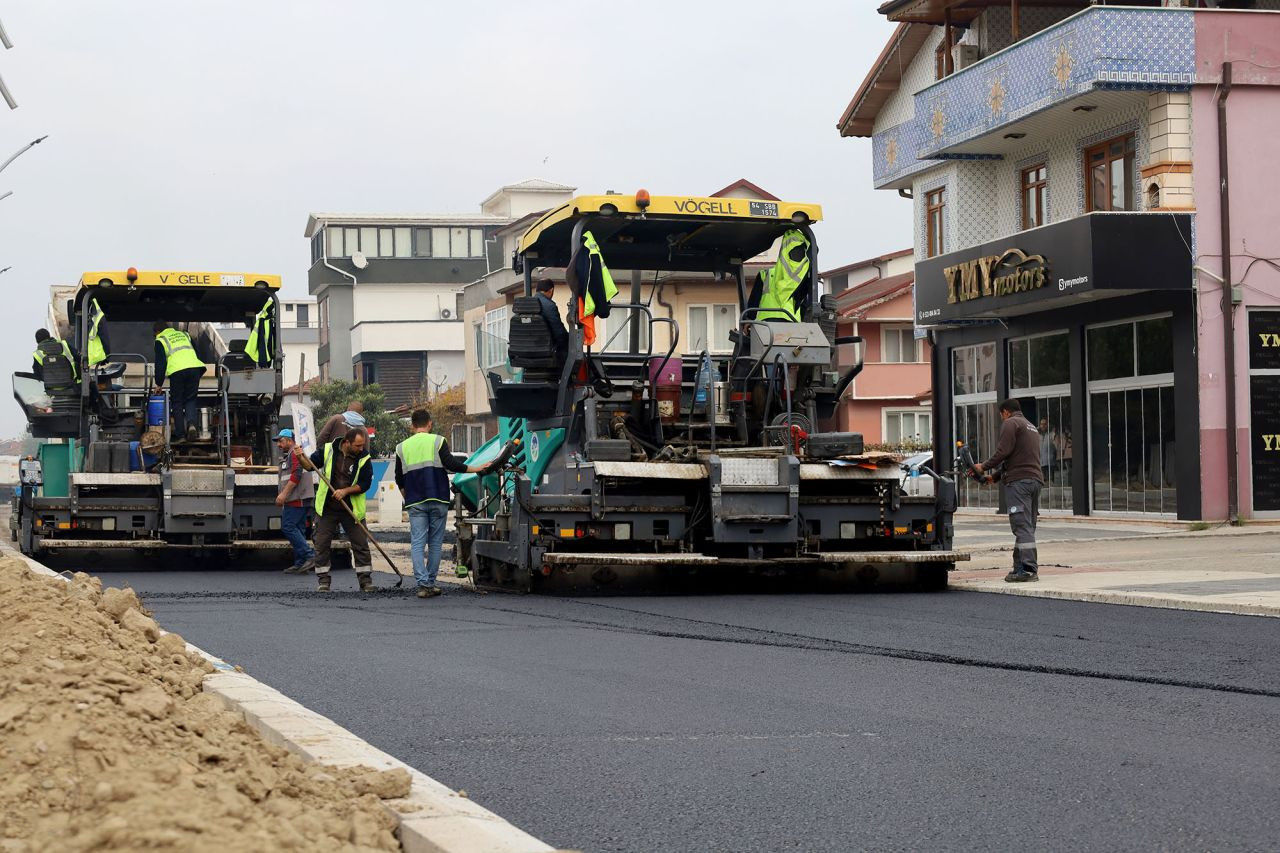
(293, 523)
(426, 532)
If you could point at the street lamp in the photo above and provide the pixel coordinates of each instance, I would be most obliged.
(4, 90)
(23, 150)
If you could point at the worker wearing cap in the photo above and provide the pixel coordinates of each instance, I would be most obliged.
(176, 360)
(346, 466)
(297, 491)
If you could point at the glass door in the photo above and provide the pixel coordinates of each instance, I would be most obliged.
(976, 422)
(1040, 377)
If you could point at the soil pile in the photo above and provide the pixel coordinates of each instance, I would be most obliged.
(106, 741)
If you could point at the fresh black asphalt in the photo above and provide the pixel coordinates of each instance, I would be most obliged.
(897, 721)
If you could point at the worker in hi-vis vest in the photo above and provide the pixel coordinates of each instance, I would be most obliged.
(781, 285)
(423, 463)
(176, 360)
(48, 347)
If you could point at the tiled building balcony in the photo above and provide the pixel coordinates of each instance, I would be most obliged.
(1096, 56)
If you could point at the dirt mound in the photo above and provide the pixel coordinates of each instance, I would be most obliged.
(106, 741)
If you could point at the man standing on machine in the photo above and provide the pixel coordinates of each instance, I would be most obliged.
(176, 360)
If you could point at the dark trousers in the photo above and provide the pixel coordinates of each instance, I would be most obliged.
(184, 385)
(327, 528)
(1024, 506)
(293, 524)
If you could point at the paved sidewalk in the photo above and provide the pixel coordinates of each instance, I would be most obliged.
(1154, 564)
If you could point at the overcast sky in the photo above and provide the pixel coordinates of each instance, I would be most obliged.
(199, 135)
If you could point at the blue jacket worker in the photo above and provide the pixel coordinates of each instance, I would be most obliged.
(423, 464)
(551, 313)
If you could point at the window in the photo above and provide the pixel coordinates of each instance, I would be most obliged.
(368, 372)
(386, 242)
(466, 438)
(1039, 361)
(1108, 170)
(351, 241)
(974, 369)
(440, 243)
(711, 335)
(317, 246)
(304, 315)
(614, 334)
(940, 55)
(898, 345)
(477, 243)
(497, 325)
(908, 426)
(1123, 350)
(934, 204)
(422, 242)
(403, 241)
(369, 242)
(1035, 191)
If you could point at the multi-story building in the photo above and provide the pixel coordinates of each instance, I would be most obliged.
(889, 402)
(388, 288)
(705, 309)
(1067, 180)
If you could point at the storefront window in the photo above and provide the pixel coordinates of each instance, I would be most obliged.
(1131, 423)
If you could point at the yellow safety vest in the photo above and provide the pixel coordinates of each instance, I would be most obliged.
(97, 353)
(610, 289)
(261, 336)
(782, 280)
(179, 352)
(322, 490)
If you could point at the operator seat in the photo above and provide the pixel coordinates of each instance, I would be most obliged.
(530, 345)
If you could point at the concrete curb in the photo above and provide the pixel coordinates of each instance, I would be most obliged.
(1173, 534)
(1135, 599)
(432, 819)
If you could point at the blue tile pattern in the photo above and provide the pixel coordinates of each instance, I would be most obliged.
(1100, 48)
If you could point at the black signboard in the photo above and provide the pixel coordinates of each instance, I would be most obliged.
(1264, 340)
(1036, 269)
(1265, 426)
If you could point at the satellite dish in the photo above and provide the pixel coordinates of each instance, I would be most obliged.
(359, 260)
(437, 373)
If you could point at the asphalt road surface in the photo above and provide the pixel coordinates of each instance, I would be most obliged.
(955, 720)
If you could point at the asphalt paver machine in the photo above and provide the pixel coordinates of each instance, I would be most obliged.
(657, 467)
(112, 478)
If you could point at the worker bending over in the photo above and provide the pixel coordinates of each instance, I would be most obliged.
(346, 464)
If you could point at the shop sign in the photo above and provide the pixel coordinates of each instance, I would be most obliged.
(1264, 408)
(1013, 271)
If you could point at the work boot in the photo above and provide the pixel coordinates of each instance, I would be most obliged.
(301, 568)
(192, 433)
(322, 582)
(366, 581)
(1019, 576)
(429, 591)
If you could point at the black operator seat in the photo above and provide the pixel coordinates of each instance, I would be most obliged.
(530, 345)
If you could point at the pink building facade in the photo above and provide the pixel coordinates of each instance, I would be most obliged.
(889, 402)
(1063, 164)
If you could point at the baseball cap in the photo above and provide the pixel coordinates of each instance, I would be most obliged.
(284, 433)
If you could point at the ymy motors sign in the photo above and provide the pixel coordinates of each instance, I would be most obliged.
(1054, 265)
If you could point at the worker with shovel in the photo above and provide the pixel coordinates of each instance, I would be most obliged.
(346, 474)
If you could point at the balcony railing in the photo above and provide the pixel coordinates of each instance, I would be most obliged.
(1099, 48)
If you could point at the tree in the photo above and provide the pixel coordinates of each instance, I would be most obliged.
(330, 398)
(448, 409)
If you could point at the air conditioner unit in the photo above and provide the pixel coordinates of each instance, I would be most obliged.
(445, 313)
(965, 55)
